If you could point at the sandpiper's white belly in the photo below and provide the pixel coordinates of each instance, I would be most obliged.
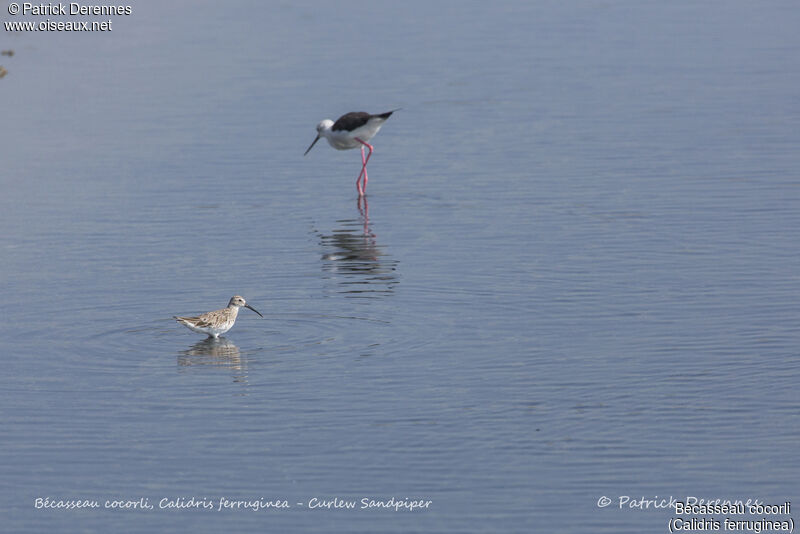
(209, 330)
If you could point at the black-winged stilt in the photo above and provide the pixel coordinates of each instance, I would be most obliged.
(352, 130)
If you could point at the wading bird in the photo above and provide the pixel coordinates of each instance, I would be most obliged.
(352, 130)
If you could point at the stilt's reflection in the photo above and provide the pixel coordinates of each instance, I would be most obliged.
(216, 352)
(354, 259)
(363, 209)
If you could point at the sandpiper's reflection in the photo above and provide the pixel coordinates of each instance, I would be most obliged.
(353, 256)
(219, 352)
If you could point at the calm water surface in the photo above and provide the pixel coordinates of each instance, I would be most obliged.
(576, 275)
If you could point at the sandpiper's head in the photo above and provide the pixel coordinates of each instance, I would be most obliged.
(239, 302)
(323, 126)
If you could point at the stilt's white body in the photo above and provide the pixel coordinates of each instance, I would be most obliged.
(346, 139)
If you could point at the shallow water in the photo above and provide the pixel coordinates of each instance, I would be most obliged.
(576, 275)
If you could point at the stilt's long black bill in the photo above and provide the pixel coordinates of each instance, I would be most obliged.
(252, 308)
(312, 145)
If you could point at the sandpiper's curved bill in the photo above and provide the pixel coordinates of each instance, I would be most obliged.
(252, 308)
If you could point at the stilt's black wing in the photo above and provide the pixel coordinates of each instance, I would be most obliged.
(386, 115)
(351, 121)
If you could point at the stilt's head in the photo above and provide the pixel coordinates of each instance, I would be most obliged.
(239, 302)
(322, 127)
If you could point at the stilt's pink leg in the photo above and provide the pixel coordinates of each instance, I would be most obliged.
(363, 190)
(363, 171)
